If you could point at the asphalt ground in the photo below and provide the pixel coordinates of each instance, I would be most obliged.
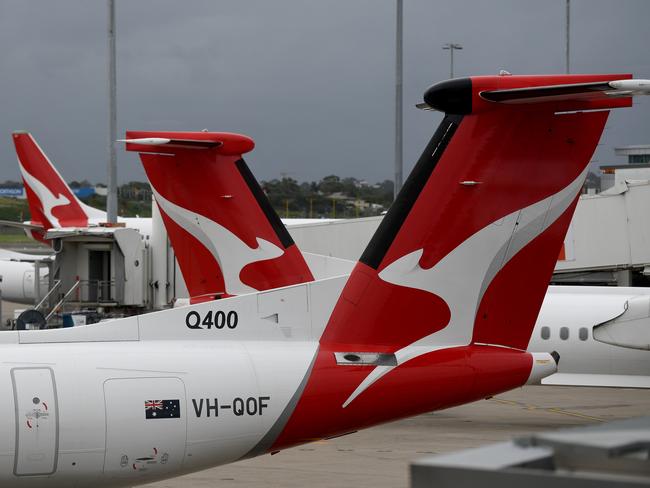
(7, 312)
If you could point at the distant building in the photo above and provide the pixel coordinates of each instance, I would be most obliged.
(620, 173)
(638, 167)
(17, 192)
(637, 154)
(339, 196)
(361, 204)
(84, 191)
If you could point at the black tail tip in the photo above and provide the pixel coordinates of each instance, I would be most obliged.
(451, 96)
(556, 357)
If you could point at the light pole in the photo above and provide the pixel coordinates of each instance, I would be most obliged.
(398, 98)
(568, 34)
(111, 199)
(452, 46)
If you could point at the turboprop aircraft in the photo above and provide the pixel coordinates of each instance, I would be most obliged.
(436, 313)
(222, 219)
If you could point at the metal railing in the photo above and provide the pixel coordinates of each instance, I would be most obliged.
(61, 302)
(84, 293)
(48, 295)
(96, 292)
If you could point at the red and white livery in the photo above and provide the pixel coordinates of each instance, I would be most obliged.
(52, 203)
(436, 313)
(226, 236)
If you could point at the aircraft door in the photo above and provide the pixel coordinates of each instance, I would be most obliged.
(37, 421)
(99, 275)
(146, 426)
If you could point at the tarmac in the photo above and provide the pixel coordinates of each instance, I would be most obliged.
(379, 457)
(7, 312)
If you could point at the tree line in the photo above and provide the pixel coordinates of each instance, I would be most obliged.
(330, 197)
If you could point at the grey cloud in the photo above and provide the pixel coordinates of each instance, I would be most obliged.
(310, 81)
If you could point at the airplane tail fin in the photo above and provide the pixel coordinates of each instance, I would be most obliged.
(465, 254)
(441, 305)
(51, 201)
(227, 238)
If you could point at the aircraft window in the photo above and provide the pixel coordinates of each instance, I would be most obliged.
(583, 333)
(564, 333)
(546, 332)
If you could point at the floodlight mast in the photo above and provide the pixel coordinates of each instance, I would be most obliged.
(568, 35)
(111, 199)
(398, 100)
(452, 46)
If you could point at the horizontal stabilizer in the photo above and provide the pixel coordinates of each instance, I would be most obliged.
(424, 106)
(576, 91)
(8, 255)
(20, 225)
(564, 93)
(225, 143)
(184, 143)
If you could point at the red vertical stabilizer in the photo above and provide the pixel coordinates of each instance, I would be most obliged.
(226, 236)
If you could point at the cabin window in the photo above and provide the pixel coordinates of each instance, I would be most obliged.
(546, 332)
(583, 333)
(564, 333)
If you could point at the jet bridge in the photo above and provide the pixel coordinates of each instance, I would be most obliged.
(608, 242)
(106, 272)
(97, 272)
(105, 267)
(609, 238)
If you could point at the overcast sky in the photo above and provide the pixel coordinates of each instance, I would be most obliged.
(312, 81)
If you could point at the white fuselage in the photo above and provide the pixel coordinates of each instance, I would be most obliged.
(75, 401)
(229, 394)
(18, 282)
(18, 274)
(565, 324)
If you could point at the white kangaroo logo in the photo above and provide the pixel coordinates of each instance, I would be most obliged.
(482, 255)
(230, 251)
(49, 201)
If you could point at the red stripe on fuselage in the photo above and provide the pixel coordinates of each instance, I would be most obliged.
(433, 381)
(392, 317)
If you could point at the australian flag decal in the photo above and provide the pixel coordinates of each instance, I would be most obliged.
(162, 409)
